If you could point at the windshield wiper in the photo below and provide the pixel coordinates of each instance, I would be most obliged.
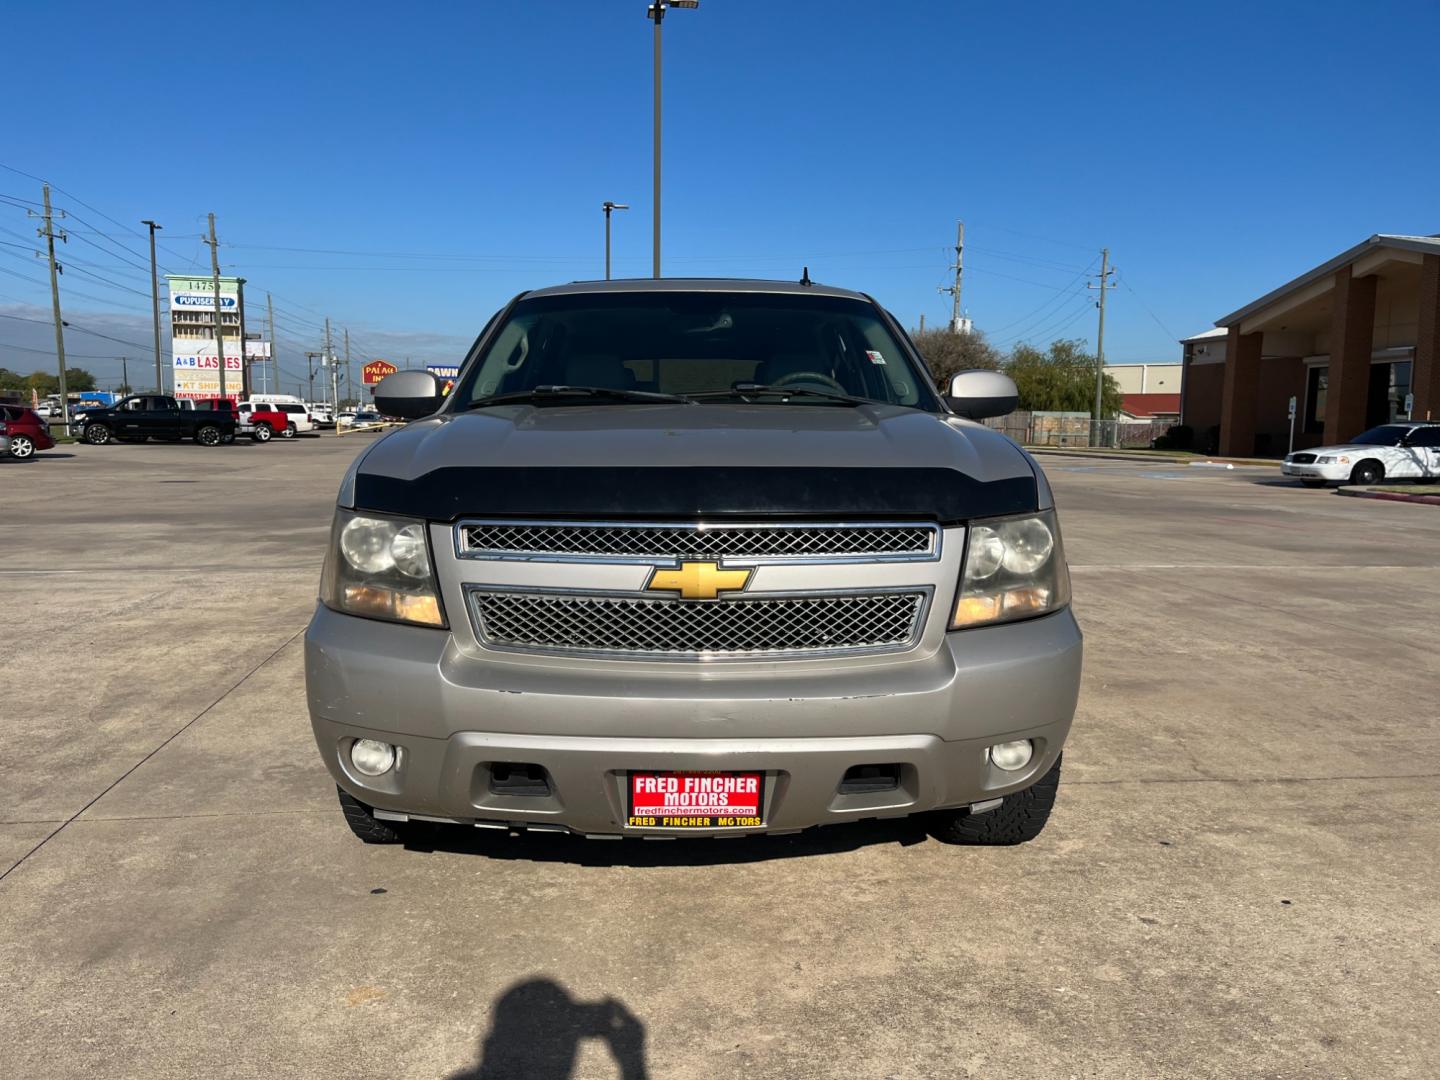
(742, 390)
(554, 393)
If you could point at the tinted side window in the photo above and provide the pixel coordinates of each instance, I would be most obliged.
(1426, 436)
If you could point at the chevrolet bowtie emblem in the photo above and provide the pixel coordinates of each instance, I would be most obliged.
(697, 580)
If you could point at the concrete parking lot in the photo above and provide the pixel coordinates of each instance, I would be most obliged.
(1240, 879)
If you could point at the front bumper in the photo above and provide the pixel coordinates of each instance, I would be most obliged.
(454, 715)
(1315, 472)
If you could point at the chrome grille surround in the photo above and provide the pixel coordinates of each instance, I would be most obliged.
(756, 625)
(751, 543)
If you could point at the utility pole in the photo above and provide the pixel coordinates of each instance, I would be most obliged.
(334, 373)
(155, 304)
(219, 329)
(1105, 272)
(244, 353)
(349, 386)
(957, 324)
(49, 233)
(310, 365)
(657, 12)
(125, 373)
(274, 347)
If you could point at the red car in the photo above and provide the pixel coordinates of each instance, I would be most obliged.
(29, 432)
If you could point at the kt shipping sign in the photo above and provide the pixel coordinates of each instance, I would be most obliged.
(376, 370)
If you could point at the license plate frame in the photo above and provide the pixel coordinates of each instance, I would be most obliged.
(687, 800)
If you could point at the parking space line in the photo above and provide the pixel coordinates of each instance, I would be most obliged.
(168, 740)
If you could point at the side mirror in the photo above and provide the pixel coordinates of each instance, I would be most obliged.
(978, 394)
(410, 394)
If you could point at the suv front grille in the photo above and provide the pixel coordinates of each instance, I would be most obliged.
(658, 542)
(766, 625)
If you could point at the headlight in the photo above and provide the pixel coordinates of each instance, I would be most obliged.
(1324, 459)
(379, 567)
(1014, 569)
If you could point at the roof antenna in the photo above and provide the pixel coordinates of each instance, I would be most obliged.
(805, 277)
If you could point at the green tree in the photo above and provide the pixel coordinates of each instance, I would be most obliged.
(77, 378)
(946, 353)
(1060, 380)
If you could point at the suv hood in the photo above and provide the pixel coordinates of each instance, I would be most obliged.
(676, 460)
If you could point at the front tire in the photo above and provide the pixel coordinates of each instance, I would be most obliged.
(209, 435)
(22, 447)
(1367, 472)
(1021, 816)
(96, 434)
(363, 822)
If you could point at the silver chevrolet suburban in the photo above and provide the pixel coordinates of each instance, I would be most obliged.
(694, 557)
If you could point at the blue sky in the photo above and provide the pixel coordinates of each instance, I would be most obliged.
(432, 160)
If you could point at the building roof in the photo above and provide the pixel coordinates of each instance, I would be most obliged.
(1425, 245)
(752, 285)
(1150, 404)
(1205, 335)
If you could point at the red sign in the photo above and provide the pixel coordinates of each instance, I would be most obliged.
(376, 370)
(695, 800)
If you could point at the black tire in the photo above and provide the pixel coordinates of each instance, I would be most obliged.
(289, 432)
(1314, 483)
(262, 433)
(1368, 471)
(95, 434)
(1020, 817)
(209, 435)
(22, 447)
(363, 823)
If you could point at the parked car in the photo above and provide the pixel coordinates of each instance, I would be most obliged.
(4, 439)
(29, 432)
(299, 414)
(262, 421)
(1403, 450)
(365, 418)
(742, 570)
(158, 416)
(321, 414)
(219, 404)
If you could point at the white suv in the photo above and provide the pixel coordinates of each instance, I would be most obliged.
(1402, 450)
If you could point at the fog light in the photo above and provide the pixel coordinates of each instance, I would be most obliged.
(372, 757)
(1012, 756)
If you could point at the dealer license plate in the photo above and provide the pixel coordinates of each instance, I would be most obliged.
(695, 800)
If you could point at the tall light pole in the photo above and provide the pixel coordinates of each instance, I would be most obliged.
(656, 13)
(155, 305)
(608, 206)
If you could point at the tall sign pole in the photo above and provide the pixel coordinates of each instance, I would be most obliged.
(275, 346)
(244, 358)
(657, 12)
(219, 327)
(155, 305)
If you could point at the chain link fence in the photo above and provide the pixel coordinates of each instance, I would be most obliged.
(1076, 429)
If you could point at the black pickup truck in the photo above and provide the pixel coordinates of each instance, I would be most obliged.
(146, 416)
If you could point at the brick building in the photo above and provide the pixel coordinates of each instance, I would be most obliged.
(1349, 340)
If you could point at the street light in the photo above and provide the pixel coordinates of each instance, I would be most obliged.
(656, 13)
(608, 206)
(155, 303)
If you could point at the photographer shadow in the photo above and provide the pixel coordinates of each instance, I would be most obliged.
(536, 1028)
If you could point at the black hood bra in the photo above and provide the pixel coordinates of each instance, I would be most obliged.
(602, 492)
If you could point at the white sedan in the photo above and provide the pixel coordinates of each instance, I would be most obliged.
(1402, 450)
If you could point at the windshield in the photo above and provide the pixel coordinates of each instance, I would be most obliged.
(1384, 435)
(697, 343)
